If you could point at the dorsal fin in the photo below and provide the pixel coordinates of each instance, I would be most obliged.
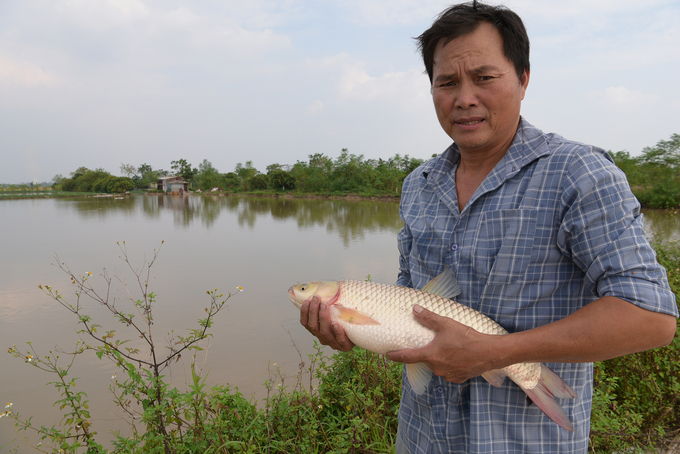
(445, 284)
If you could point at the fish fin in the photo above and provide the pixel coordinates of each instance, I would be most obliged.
(554, 384)
(418, 377)
(354, 316)
(495, 377)
(445, 284)
(543, 395)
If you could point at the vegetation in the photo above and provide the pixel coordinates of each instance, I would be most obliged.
(344, 404)
(636, 402)
(654, 176)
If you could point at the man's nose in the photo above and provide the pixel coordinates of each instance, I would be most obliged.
(467, 95)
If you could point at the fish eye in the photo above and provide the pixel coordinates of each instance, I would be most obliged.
(303, 287)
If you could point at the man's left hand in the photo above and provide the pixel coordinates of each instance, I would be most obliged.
(456, 353)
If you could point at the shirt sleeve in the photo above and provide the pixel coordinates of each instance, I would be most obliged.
(602, 232)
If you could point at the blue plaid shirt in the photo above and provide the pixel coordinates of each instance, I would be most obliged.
(553, 227)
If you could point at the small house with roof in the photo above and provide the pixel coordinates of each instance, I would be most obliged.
(174, 184)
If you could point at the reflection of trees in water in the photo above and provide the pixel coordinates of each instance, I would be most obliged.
(97, 207)
(351, 220)
(662, 224)
(188, 209)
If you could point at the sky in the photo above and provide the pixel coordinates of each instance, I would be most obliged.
(100, 83)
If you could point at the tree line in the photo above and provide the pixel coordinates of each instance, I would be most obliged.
(654, 175)
(348, 173)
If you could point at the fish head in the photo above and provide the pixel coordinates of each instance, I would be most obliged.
(326, 291)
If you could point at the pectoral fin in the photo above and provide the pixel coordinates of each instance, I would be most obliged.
(354, 316)
(495, 377)
(445, 285)
(418, 377)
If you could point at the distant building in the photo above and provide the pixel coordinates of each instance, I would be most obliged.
(174, 184)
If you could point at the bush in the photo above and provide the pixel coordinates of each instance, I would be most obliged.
(636, 399)
(258, 182)
(114, 185)
(280, 180)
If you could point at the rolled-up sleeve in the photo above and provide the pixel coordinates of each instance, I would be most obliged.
(602, 232)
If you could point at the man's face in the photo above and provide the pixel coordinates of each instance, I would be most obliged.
(476, 92)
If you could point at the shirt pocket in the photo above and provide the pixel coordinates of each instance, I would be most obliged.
(503, 244)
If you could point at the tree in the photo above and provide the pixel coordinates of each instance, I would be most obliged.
(231, 181)
(183, 169)
(128, 170)
(146, 177)
(207, 177)
(245, 173)
(57, 180)
(259, 182)
(280, 180)
(144, 168)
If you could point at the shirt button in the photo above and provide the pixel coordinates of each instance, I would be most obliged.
(454, 247)
(440, 389)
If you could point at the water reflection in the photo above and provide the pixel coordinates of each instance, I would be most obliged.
(662, 224)
(350, 220)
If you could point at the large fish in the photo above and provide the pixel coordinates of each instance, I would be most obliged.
(379, 318)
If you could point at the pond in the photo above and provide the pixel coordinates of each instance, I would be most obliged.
(263, 245)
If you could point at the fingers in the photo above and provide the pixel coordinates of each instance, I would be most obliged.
(315, 317)
(453, 353)
(428, 318)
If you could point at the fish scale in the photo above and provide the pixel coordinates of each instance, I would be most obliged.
(379, 318)
(392, 307)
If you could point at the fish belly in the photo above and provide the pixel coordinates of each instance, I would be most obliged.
(392, 307)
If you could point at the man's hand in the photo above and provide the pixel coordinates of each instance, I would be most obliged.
(457, 352)
(316, 318)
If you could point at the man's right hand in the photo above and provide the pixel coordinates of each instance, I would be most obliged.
(316, 318)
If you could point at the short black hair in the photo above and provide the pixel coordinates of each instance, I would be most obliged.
(464, 18)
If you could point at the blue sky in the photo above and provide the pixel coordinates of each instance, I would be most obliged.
(98, 83)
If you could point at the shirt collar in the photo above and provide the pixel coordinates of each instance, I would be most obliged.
(528, 145)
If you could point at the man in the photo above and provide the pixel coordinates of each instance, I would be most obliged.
(545, 238)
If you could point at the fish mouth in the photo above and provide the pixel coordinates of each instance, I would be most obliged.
(291, 295)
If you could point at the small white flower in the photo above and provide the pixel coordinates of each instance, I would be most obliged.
(9, 405)
(113, 377)
(240, 289)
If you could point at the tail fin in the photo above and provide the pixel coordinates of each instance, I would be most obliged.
(543, 395)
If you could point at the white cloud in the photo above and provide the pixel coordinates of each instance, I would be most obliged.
(20, 73)
(623, 97)
(392, 12)
(104, 14)
(353, 83)
(315, 108)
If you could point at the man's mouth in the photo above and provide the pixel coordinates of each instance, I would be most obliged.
(469, 124)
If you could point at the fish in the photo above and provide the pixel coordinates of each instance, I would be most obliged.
(379, 318)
